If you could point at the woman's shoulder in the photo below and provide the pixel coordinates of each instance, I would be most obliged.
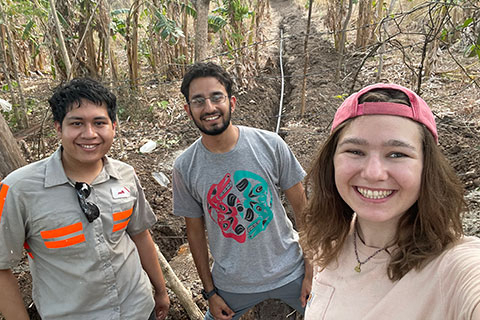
(462, 256)
(460, 275)
(465, 243)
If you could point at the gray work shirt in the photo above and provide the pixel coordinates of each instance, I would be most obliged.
(80, 270)
(251, 239)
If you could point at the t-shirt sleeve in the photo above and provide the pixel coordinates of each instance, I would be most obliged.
(184, 204)
(143, 216)
(291, 172)
(12, 228)
(462, 279)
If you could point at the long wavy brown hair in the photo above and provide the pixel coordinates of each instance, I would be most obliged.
(423, 232)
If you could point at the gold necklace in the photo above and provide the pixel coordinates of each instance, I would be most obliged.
(358, 266)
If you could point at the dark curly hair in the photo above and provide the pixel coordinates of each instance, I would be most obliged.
(69, 95)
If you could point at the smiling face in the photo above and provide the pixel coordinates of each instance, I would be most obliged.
(87, 135)
(378, 166)
(210, 118)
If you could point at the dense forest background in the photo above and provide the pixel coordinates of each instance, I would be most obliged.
(129, 44)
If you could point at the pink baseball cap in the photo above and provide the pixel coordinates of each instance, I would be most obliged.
(419, 110)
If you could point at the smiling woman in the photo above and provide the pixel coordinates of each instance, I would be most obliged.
(384, 217)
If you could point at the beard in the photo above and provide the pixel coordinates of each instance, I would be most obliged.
(216, 130)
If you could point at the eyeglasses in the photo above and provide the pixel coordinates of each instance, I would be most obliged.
(199, 102)
(90, 209)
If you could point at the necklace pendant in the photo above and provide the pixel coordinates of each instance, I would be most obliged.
(357, 268)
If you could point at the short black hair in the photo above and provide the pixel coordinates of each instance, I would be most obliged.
(71, 93)
(208, 69)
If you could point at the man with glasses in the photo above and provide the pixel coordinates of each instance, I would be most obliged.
(83, 220)
(228, 182)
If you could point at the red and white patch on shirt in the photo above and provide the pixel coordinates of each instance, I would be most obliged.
(119, 192)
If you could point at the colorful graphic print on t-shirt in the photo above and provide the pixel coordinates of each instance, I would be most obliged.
(242, 206)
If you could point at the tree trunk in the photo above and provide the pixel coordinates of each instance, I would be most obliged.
(307, 58)
(185, 39)
(201, 30)
(20, 111)
(6, 72)
(61, 41)
(132, 43)
(343, 39)
(364, 23)
(10, 155)
(90, 48)
(384, 26)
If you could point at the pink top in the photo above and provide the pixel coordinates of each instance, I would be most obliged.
(447, 288)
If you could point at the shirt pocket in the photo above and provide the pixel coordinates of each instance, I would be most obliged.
(65, 239)
(319, 300)
(121, 215)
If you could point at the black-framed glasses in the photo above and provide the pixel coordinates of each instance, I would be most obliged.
(199, 102)
(90, 209)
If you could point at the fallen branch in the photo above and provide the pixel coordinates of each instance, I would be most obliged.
(177, 287)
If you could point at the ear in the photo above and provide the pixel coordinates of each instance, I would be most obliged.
(233, 103)
(187, 110)
(58, 128)
(114, 126)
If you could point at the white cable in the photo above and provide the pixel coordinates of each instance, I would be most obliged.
(283, 83)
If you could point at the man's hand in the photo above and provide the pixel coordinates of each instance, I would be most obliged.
(162, 304)
(149, 259)
(219, 309)
(307, 282)
(306, 290)
(11, 302)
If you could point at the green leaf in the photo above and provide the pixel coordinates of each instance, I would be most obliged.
(63, 22)
(190, 10)
(216, 23)
(117, 12)
(466, 23)
(167, 28)
(27, 30)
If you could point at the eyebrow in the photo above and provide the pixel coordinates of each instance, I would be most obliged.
(81, 118)
(389, 143)
(211, 94)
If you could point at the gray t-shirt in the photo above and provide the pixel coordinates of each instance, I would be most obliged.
(251, 239)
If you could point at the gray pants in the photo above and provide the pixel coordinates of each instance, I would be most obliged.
(152, 315)
(240, 303)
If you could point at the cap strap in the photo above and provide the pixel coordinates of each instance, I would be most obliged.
(388, 108)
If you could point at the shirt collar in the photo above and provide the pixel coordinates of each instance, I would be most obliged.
(55, 174)
(109, 168)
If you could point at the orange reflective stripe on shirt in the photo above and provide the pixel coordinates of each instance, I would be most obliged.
(3, 196)
(65, 243)
(27, 247)
(117, 216)
(61, 232)
(120, 226)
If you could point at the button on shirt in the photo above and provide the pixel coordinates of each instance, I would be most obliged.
(80, 270)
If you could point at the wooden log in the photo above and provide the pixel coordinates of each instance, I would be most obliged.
(11, 156)
(177, 287)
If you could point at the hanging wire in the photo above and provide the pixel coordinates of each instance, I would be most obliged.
(283, 82)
